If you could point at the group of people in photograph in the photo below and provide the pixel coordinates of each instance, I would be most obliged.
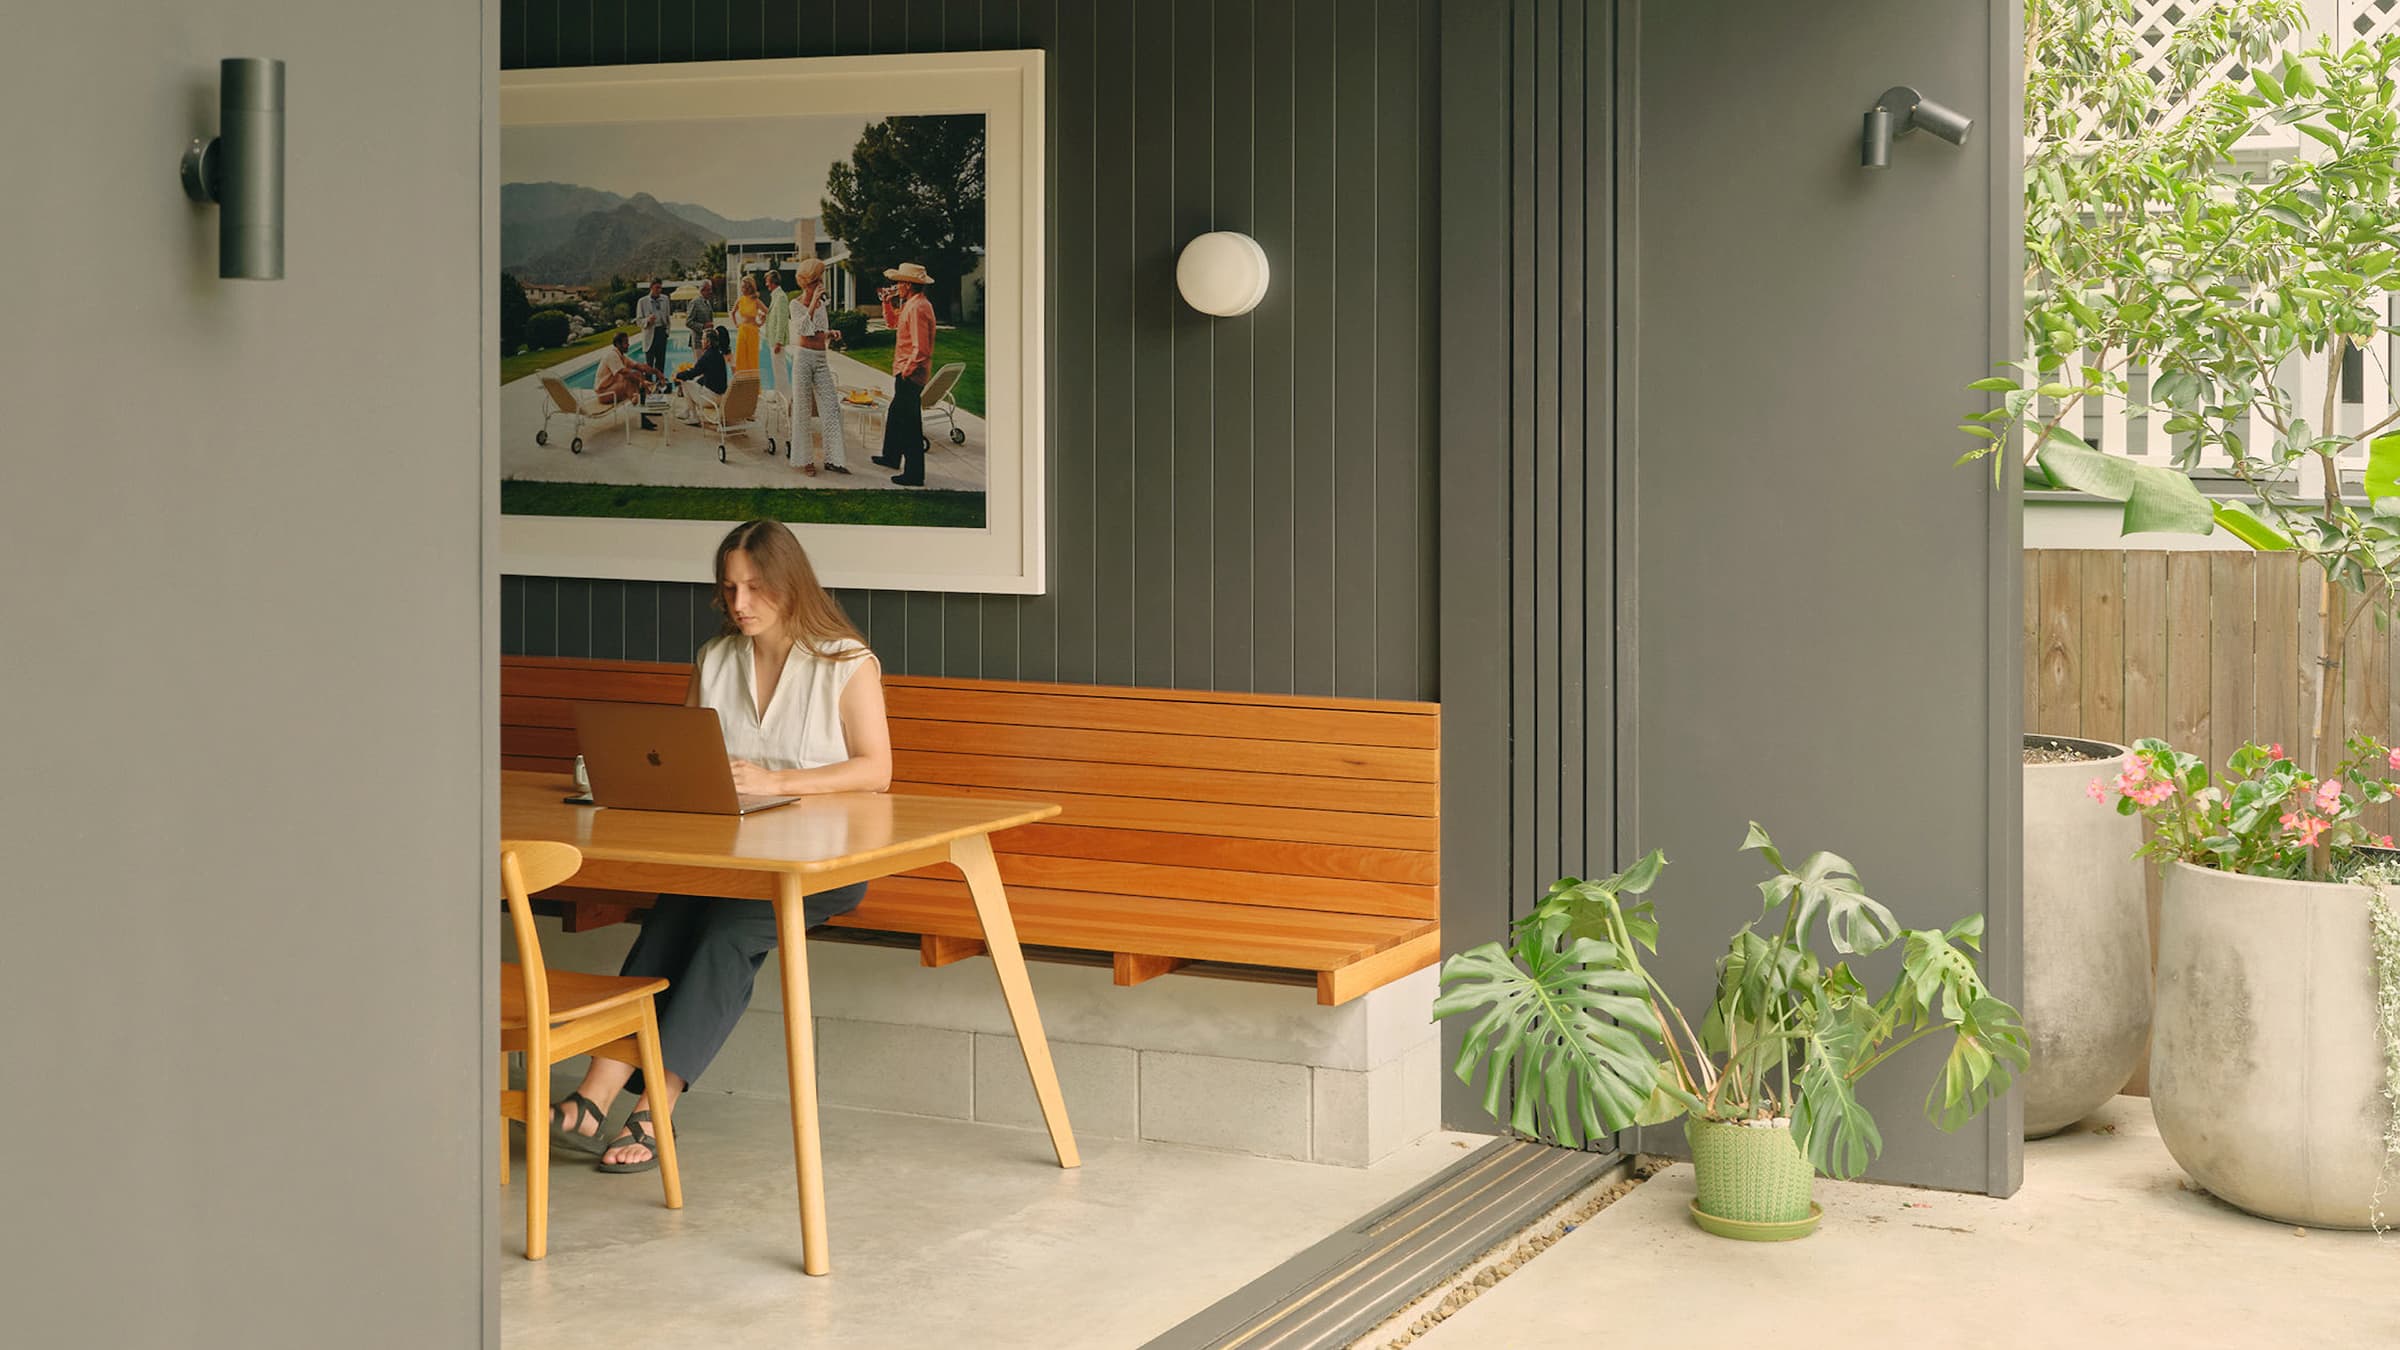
(791, 325)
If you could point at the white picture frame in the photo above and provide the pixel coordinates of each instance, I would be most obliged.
(1006, 555)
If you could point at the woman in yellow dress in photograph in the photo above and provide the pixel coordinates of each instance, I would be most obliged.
(749, 316)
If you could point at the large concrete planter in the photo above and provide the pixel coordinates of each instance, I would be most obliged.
(2264, 1068)
(2087, 941)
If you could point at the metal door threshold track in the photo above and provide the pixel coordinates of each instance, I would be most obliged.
(1337, 1289)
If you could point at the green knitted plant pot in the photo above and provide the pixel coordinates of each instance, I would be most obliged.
(1751, 1174)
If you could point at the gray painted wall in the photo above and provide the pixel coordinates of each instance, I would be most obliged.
(1241, 504)
(245, 805)
(1824, 607)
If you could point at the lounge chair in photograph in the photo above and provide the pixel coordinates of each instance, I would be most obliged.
(584, 405)
(940, 399)
(736, 412)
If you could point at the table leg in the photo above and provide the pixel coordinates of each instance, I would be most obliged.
(973, 857)
(800, 1053)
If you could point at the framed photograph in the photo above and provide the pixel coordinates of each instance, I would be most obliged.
(808, 290)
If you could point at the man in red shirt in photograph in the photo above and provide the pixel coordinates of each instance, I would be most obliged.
(909, 315)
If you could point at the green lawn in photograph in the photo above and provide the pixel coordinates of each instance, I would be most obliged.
(799, 506)
(525, 363)
(949, 344)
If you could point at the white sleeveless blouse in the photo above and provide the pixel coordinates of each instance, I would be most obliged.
(802, 726)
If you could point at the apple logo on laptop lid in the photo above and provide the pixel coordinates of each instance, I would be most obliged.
(655, 761)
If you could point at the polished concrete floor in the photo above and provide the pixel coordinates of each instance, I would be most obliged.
(2103, 1246)
(944, 1234)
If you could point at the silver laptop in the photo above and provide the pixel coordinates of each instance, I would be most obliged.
(648, 757)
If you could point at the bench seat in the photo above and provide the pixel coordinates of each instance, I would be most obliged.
(1266, 831)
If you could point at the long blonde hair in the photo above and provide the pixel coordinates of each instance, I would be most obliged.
(810, 613)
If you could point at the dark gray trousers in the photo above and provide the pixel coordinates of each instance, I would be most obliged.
(709, 950)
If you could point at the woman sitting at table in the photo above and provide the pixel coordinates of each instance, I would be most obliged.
(801, 700)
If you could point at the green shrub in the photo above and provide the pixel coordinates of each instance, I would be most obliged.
(547, 328)
(850, 323)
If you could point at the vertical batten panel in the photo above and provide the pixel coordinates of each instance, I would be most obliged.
(1276, 379)
(1599, 400)
(575, 32)
(815, 23)
(1233, 371)
(1191, 349)
(1398, 282)
(678, 31)
(1156, 432)
(608, 32)
(1572, 169)
(1359, 400)
(1316, 417)
(1547, 601)
(1524, 685)
(1425, 548)
(1116, 411)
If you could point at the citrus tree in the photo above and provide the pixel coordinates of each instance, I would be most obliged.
(2171, 265)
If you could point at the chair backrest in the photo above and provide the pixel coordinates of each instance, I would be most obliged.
(526, 866)
(741, 398)
(938, 388)
(557, 389)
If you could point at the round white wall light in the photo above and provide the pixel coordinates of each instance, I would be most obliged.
(1222, 273)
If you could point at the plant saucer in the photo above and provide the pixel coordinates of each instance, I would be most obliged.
(1744, 1230)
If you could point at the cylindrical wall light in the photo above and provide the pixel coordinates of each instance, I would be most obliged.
(1875, 145)
(242, 170)
(1899, 111)
(1222, 273)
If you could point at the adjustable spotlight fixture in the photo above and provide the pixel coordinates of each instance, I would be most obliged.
(242, 170)
(1900, 111)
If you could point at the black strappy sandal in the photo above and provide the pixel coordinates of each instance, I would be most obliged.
(570, 1135)
(634, 1134)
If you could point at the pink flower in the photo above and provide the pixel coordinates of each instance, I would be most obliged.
(2393, 759)
(2276, 750)
(2383, 841)
(2329, 796)
(2097, 792)
(2151, 794)
(2311, 828)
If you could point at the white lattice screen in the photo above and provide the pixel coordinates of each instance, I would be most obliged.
(2367, 19)
(2369, 391)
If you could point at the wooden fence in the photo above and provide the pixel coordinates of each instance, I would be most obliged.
(2204, 650)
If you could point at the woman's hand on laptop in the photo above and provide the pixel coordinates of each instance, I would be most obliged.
(752, 781)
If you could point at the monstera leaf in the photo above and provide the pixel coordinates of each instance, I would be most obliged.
(1836, 1132)
(1575, 1024)
(1989, 1052)
(1826, 884)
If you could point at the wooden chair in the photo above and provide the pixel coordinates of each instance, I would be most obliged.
(549, 1016)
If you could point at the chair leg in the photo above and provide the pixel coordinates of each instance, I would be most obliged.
(504, 1119)
(662, 1122)
(537, 1155)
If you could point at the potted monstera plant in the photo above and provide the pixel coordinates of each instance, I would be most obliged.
(1767, 1080)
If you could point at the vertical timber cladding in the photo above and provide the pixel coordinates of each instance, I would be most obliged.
(1529, 627)
(1237, 504)
(1827, 614)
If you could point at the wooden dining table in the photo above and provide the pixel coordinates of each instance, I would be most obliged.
(780, 856)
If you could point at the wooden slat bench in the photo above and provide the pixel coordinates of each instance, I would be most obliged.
(1267, 831)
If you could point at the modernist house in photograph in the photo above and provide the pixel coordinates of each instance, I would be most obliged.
(1204, 674)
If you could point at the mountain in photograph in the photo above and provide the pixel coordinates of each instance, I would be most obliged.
(561, 232)
(636, 238)
(758, 227)
(538, 217)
